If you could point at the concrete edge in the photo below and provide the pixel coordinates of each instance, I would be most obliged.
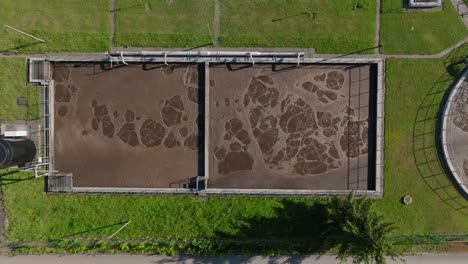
(220, 59)
(378, 192)
(219, 192)
(446, 146)
(380, 133)
(207, 124)
(419, 4)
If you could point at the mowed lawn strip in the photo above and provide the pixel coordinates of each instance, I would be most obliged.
(161, 24)
(34, 215)
(419, 32)
(56, 216)
(408, 83)
(12, 86)
(327, 26)
(65, 25)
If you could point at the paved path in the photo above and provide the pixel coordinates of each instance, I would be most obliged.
(377, 27)
(401, 56)
(112, 22)
(2, 215)
(139, 259)
(310, 52)
(461, 7)
(217, 22)
(462, 10)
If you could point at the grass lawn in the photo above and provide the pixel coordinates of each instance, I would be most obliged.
(34, 215)
(65, 25)
(414, 92)
(180, 24)
(419, 32)
(53, 217)
(13, 85)
(329, 26)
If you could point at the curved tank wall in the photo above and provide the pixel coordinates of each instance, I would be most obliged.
(454, 133)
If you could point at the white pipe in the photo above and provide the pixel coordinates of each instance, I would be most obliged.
(46, 172)
(36, 169)
(122, 57)
(22, 32)
(110, 57)
(210, 53)
(251, 58)
(165, 58)
(120, 229)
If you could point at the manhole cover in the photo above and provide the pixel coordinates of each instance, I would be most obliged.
(21, 101)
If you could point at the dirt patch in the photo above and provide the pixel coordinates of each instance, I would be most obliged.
(191, 141)
(235, 161)
(152, 133)
(62, 94)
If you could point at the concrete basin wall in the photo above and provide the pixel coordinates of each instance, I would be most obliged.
(454, 133)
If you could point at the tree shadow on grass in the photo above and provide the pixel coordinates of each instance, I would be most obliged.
(290, 17)
(292, 220)
(427, 151)
(295, 227)
(33, 97)
(297, 259)
(17, 48)
(6, 173)
(456, 67)
(4, 180)
(456, 61)
(199, 46)
(92, 230)
(126, 7)
(395, 7)
(68, 243)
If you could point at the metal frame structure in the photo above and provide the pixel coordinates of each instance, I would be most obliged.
(446, 135)
(424, 4)
(44, 165)
(207, 57)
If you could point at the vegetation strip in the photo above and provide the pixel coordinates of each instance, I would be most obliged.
(405, 32)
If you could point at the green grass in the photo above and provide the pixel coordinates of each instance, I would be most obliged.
(330, 27)
(419, 32)
(13, 85)
(53, 217)
(335, 28)
(182, 24)
(414, 92)
(65, 25)
(411, 85)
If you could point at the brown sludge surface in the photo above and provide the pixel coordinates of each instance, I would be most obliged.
(126, 127)
(301, 128)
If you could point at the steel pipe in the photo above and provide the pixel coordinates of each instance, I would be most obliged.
(205, 53)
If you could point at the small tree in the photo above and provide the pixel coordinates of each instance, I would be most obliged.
(359, 232)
